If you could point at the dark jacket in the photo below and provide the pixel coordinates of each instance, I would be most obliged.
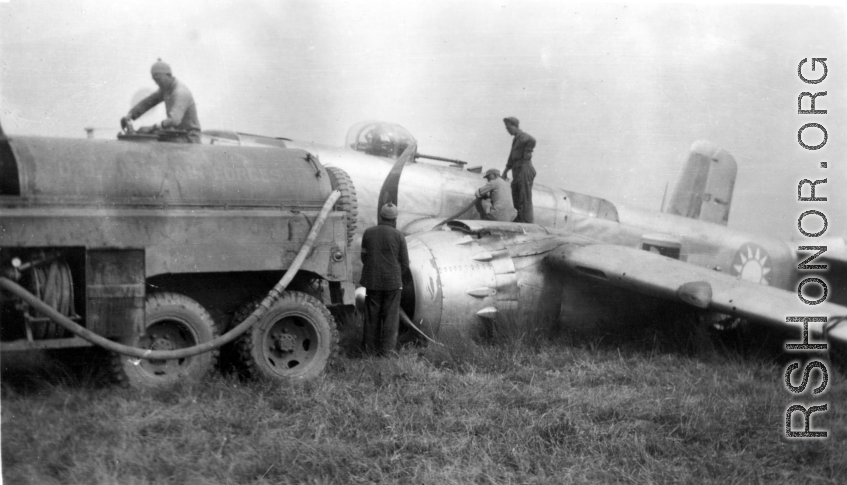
(385, 258)
(521, 155)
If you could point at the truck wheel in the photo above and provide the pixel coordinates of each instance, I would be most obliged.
(172, 321)
(347, 202)
(295, 339)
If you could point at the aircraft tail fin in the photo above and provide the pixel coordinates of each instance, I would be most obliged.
(704, 190)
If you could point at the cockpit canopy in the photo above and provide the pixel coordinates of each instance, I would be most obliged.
(379, 139)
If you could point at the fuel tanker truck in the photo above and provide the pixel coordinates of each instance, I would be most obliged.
(163, 252)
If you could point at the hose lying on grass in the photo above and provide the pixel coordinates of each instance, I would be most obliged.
(263, 307)
(408, 321)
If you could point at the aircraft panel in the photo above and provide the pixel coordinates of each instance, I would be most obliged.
(418, 192)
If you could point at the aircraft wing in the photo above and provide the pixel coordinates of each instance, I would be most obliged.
(664, 277)
(836, 254)
(834, 260)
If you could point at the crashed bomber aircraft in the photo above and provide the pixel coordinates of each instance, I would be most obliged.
(585, 261)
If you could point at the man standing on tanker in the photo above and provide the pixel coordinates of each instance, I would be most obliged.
(179, 104)
(520, 163)
(385, 260)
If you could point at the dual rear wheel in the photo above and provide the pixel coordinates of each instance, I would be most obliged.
(172, 321)
(294, 339)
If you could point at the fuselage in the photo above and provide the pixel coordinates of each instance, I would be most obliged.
(462, 280)
(429, 192)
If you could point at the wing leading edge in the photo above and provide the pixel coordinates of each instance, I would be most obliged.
(701, 287)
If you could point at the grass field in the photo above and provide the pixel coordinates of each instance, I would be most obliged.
(510, 409)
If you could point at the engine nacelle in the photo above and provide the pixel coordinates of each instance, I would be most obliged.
(482, 272)
(465, 278)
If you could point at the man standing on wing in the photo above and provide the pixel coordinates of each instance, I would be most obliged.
(520, 163)
(385, 260)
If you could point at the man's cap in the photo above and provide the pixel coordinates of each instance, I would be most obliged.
(512, 121)
(388, 211)
(160, 67)
(491, 171)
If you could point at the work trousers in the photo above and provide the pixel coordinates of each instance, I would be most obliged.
(483, 214)
(178, 136)
(193, 136)
(382, 321)
(522, 193)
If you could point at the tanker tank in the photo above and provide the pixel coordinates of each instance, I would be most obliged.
(166, 245)
(144, 173)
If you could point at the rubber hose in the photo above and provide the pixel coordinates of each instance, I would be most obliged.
(408, 321)
(454, 216)
(136, 352)
(52, 284)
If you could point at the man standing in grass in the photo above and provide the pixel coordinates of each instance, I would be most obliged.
(520, 163)
(385, 260)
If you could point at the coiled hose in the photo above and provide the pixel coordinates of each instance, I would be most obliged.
(53, 285)
(263, 307)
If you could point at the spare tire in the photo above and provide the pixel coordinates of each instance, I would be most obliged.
(347, 202)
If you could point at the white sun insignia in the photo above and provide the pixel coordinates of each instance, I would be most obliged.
(751, 263)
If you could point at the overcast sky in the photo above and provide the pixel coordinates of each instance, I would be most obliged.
(615, 95)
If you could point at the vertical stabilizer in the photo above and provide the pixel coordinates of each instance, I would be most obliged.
(704, 190)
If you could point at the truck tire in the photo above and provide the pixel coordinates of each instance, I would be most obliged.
(172, 321)
(347, 202)
(295, 339)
